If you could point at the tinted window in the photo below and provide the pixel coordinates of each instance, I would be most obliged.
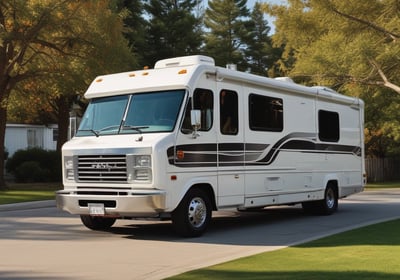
(228, 112)
(265, 113)
(328, 125)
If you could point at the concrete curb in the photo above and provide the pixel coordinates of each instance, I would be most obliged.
(27, 205)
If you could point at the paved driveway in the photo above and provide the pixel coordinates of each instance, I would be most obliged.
(45, 243)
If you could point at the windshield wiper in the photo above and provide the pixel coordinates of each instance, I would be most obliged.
(137, 128)
(125, 127)
(90, 130)
(98, 132)
(133, 127)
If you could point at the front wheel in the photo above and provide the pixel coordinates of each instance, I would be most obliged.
(97, 222)
(193, 214)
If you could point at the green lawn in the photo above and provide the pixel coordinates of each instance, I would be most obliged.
(383, 185)
(371, 252)
(29, 192)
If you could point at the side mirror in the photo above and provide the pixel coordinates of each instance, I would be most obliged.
(195, 119)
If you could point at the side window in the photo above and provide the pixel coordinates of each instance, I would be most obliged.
(328, 126)
(265, 113)
(228, 112)
(203, 100)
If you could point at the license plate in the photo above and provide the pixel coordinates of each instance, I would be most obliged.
(96, 209)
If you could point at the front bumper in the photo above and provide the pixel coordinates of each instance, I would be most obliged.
(127, 203)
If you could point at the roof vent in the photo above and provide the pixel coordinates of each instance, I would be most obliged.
(231, 66)
(184, 61)
(285, 79)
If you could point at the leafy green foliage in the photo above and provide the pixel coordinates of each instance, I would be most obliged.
(227, 22)
(35, 165)
(50, 51)
(261, 56)
(352, 47)
(173, 30)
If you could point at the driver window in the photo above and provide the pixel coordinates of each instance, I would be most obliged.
(203, 101)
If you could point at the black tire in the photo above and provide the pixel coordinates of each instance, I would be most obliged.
(97, 223)
(326, 206)
(329, 204)
(193, 214)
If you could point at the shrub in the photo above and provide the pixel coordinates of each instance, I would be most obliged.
(35, 165)
(31, 171)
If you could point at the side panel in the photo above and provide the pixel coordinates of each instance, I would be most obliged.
(342, 158)
(256, 167)
(193, 160)
(277, 166)
(230, 138)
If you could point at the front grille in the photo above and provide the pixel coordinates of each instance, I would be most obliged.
(102, 168)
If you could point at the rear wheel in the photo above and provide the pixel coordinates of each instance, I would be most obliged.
(329, 204)
(97, 222)
(326, 206)
(192, 216)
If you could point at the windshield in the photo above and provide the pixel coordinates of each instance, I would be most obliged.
(136, 113)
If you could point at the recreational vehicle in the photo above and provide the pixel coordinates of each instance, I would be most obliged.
(188, 137)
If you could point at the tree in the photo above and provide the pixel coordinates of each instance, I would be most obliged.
(350, 46)
(173, 30)
(52, 43)
(260, 54)
(228, 31)
(135, 27)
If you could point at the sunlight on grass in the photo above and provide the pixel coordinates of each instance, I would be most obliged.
(383, 185)
(367, 253)
(12, 196)
(29, 192)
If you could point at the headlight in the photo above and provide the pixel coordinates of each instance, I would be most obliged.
(69, 168)
(142, 161)
(142, 169)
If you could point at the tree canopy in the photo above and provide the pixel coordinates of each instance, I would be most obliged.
(351, 46)
(227, 22)
(173, 30)
(49, 51)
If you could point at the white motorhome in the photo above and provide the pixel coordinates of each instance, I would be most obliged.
(188, 137)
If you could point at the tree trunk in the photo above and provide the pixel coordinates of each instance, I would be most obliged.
(63, 120)
(3, 121)
(5, 85)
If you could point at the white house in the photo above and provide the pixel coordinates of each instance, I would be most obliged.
(24, 136)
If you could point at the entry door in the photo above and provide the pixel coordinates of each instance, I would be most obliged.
(230, 138)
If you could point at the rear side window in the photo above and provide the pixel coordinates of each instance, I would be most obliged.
(328, 125)
(265, 113)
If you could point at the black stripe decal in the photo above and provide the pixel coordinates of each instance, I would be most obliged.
(240, 154)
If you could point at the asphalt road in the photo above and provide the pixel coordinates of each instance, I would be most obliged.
(40, 242)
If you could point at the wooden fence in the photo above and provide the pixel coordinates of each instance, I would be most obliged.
(382, 169)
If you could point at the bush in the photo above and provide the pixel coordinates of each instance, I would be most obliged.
(31, 171)
(35, 165)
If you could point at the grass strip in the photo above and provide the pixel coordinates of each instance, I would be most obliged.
(367, 253)
(7, 197)
(16, 193)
